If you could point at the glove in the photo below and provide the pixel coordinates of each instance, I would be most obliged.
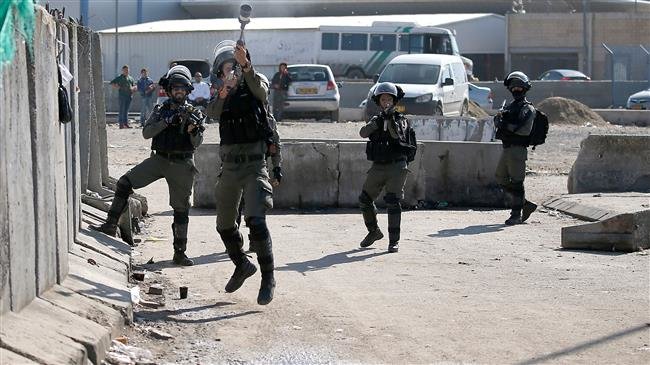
(277, 173)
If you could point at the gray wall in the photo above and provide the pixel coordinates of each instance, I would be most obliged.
(40, 159)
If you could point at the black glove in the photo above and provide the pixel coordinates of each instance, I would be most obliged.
(277, 173)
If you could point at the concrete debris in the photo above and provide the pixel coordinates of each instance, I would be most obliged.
(161, 335)
(151, 304)
(121, 354)
(138, 275)
(156, 289)
(135, 295)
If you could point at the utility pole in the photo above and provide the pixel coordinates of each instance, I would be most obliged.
(585, 40)
(117, 69)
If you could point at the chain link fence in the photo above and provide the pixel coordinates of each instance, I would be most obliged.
(626, 63)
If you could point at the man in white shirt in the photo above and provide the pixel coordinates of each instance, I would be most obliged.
(201, 93)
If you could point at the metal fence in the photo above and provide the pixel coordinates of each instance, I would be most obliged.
(626, 63)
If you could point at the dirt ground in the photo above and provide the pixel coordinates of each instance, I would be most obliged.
(464, 288)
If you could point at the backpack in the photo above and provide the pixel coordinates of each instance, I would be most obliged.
(65, 111)
(413, 144)
(540, 129)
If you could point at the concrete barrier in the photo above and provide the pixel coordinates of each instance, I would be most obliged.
(640, 118)
(331, 174)
(611, 163)
(428, 128)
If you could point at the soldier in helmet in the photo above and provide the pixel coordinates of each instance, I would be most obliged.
(514, 124)
(246, 138)
(176, 129)
(391, 147)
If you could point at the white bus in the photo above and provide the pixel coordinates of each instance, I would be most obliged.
(362, 52)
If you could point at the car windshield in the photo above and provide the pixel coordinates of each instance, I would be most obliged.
(401, 73)
(308, 73)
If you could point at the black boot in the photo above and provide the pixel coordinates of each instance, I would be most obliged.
(528, 209)
(108, 228)
(265, 295)
(180, 245)
(371, 237)
(118, 206)
(244, 269)
(369, 212)
(515, 217)
(394, 210)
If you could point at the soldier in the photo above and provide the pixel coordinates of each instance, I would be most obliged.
(246, 138)
(514, 125)
(391, 147)
(176, 129)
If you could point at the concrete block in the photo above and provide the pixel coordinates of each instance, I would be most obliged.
(100, 104)
(99, 284)
(8, 357)
(85, 101)
(453, 130)
(626, 232)
(207, 161)
(84, 307)
(639, 118)
(45, 146)
(5, 302)
(15, 146)
(597, 207)
(312, 173)
(75, 176)
(462, 173)
(41, 321)
(105, 245)
(599, 166)
(96, 258)
(426, 128)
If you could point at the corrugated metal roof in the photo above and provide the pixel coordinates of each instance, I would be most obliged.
(195, 25)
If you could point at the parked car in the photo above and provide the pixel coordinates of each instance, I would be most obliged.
(433, 84)
(563, 75)
(640, 100)
(202, 66)
(481, 96)
(313, 92)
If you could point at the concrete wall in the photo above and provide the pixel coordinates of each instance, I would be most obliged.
(639, 118)
(40, 159)
(611, 163)
(322, 174)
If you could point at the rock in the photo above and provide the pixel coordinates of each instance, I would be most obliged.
(156, 289)
(161, 335)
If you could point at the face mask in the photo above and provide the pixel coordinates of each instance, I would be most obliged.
(518, 94)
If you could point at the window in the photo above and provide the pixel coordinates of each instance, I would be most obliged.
(308, 73)
(460, 75)
(401, 73)
(330, 41)
(382, 42)
(354, 42)
(446, 73)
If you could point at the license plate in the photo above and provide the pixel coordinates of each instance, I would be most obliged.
(400, 108)
(306, 90)
(636, 106)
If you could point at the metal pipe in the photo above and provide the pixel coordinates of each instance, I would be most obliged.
(611, 54)
(117, 69)
(647, 63)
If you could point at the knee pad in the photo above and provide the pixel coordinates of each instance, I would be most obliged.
(181, 217)
(259, 230)
(123, 187)
(365, 201)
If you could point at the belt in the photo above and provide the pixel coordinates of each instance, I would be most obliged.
(390, 161)
(243, 158)
(175, 155)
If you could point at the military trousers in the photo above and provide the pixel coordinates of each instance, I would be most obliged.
(390, 177)
(179, 174)
(247, 179)
(511, 172)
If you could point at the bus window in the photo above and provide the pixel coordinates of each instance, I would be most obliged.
(330, 41)
(382, 42)
(354, 42)
(438, 44)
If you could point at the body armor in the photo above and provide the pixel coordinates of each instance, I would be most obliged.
(174, 138)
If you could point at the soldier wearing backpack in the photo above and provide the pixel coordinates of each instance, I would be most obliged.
(391, 146)
(515, 124)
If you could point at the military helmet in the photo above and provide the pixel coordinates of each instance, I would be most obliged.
(517, 79)
(179, 75)
(224, 51)
(387, 88)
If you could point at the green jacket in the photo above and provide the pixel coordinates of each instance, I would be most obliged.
(125, 84)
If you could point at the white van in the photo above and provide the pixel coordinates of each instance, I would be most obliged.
(433, 84)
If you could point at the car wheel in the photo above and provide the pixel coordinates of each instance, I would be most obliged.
(355, 73)
(334, 116)
(465, 109)
(438, 111)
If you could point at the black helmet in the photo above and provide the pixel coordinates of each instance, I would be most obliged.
(517, 78)
(179, 75)
(390, 89)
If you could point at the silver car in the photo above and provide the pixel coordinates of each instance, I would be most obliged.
(640, 100)
(313, 92)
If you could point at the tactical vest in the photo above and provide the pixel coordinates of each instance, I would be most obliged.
(382, 147)
(175, 137)
(511, 115)
(242, 118)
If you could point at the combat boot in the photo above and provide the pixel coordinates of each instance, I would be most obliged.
(180, 245)
(243, 271)
(181, 259)
(108, 228)
(371, 237)
(265, 295)
(393, 247)
(515, 217)
(529, 208)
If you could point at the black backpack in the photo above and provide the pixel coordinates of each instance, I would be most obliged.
(413, 144)
(540, 130)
